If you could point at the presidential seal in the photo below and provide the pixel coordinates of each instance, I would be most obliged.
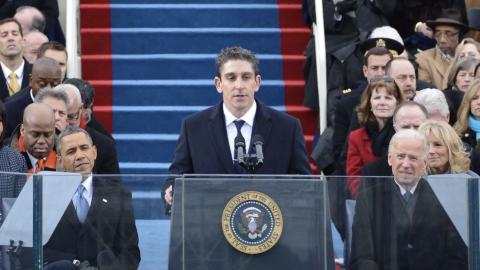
(252, 222)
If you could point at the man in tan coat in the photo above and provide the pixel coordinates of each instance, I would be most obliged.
(447, 30)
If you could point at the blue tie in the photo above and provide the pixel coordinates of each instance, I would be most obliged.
(82, 204)
(407, 196)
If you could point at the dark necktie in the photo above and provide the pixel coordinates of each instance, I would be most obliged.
(238, 125)
(407, 196)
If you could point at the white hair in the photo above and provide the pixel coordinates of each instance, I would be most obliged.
(434, 101)
(409, 134)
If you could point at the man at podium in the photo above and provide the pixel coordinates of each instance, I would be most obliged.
(215, 140)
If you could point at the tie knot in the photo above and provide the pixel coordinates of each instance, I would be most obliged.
(12, 76)
(80, 189)
(407, 196)
(239, 124)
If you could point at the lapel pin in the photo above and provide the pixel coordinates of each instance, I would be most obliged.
(104, 200)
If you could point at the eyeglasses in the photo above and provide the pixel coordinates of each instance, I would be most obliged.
(386, 79)
(447, 34)
(74, 116)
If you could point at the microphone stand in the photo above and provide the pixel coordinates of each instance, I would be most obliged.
(251, 163)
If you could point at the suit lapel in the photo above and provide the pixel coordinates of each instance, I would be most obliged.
(219, 138)
(27, 69)
(262, 125)
(3, 87)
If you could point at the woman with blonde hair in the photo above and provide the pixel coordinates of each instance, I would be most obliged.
(467, 126)
(369, 142)
(446, 152)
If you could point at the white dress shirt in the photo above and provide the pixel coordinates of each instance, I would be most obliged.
(246, 130)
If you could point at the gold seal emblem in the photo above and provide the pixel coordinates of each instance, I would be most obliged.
(252, 222)
(380, 43)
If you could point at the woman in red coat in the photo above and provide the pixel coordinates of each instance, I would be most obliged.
(369, 142)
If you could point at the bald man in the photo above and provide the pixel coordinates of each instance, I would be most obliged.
(37, 137)
(32, 42)
(107, 161)
(45, 72)
(31, 19)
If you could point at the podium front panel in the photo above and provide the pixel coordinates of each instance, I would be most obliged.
(197, 236)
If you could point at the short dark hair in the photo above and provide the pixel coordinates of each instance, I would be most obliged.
(69, 131)
(7, 20)
(51, 45)
(409, 103)
(376, 51)
(236, 53)
(87, 91)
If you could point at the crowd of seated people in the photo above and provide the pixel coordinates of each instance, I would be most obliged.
(432, 86)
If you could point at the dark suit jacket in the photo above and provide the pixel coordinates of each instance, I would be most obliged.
(93, 123)
(109, 227)
(106, 162)
(15, 105)
(27, 69)
(202, 147)
(384, 237)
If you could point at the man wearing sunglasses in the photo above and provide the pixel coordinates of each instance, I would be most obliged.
(448, 31)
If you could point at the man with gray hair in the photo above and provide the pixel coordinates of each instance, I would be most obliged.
(435, 102)
(399, 222)
(58, 101)
(106, 162)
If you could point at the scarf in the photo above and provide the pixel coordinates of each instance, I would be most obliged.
(380, 138)
(474, 125)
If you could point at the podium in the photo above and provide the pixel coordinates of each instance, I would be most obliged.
(252, 222)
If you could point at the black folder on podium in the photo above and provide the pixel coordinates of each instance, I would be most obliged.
(207, 212)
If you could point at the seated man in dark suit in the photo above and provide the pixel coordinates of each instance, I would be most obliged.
(15, 70)
(45, 72)
(207, 139)
(98, 227)
(37, 137)
(399, 223)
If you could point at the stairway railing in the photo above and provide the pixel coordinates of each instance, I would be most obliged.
(321, 60)
(72, 37)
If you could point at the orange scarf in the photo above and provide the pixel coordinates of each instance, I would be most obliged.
(50, 162)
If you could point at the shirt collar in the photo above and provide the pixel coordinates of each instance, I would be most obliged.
(19, 71)
(87, 183)
(33, 159)
(248, 117)
(403, 190)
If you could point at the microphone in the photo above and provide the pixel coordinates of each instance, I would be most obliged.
(240, 146)
(258, 142)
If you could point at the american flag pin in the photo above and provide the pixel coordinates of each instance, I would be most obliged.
(104, 200)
